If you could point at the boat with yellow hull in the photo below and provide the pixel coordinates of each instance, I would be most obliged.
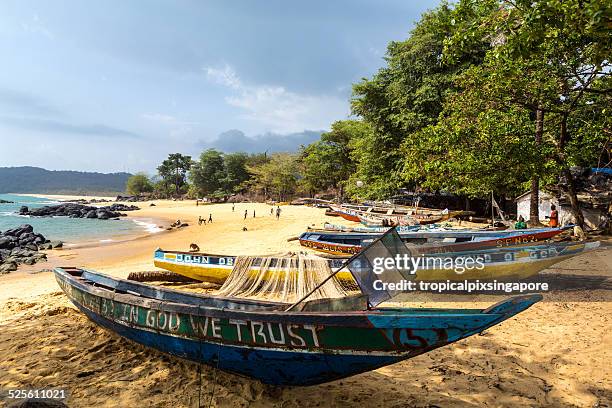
(216, 268)
(499, 263)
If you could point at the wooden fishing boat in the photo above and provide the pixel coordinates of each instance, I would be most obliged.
(380, 230)
(503, 262)
(216, 268)
(379, 220)
(393, 209)
(346, 213)
(338, 243)
(371, 216)
(319, 342)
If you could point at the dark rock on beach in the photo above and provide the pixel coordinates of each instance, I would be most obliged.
(21, 246)
(131, 198)
(74, 210)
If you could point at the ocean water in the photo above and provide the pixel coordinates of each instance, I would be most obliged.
(70, 230)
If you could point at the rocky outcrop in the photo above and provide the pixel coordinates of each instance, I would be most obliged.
(6, 202)
(21, 246)
(84, 201)
(74, 210)
(133, 198)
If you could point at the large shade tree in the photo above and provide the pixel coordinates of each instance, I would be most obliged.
(327, 162)
(173, 171)
(406, 96)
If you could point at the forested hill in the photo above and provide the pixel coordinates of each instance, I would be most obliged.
(37, 180)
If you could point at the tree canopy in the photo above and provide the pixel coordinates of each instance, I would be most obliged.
(173, 171)
(483, 96)
(138, 184)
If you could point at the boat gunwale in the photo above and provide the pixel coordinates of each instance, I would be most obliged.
(271, 314)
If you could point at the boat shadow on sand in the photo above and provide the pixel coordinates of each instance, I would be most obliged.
(48, 343)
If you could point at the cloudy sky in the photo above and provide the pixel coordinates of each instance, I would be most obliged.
(117, 85)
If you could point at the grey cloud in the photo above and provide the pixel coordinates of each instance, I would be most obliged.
(236, 141)
(24, 104)
(54, 126)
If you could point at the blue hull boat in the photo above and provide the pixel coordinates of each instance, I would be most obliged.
(321, 341)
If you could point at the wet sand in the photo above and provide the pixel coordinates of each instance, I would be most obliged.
(557, 353)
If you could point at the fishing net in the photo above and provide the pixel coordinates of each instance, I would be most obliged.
(284, 279)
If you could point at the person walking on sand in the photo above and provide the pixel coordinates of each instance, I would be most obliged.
(253, 213)
(233, 207)
(246, 212)
(200, 219)
(278, 211)
(210, 218)
(271, 210)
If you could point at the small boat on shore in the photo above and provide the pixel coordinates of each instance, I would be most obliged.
(339, 242)
(216, 268)
(498, 263)
(377, 230)
(321, 341)
(374, 216)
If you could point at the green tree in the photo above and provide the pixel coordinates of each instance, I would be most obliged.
(208, 173)
(276, 178)
(406, 96)
(236, 173)
(328, 163)
(138, 184)
(550, 61)
(173, 171)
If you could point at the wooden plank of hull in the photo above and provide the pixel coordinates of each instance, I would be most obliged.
(272, 346)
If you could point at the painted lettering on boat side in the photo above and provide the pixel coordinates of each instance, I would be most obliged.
(417, 338)
(255, 332)
(330, 247)
(522, 239)
(233, 330)
(199, 259)
(166, 321)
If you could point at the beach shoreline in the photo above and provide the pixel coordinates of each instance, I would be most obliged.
(545, 356)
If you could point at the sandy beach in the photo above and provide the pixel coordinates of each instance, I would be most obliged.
(557, 353)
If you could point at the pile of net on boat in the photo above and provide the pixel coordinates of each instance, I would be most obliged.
(283, 279)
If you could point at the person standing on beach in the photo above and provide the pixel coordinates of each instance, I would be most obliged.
(200, 219)
(253, 213)
(278, 211)
(210, 218)
(246, 212)
(271, 210)
(233, 206)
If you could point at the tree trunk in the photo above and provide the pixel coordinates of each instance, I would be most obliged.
(573, 197)
(571, 185)
(534, 203)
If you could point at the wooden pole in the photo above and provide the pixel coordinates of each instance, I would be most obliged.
(338, 270)
(322, 283)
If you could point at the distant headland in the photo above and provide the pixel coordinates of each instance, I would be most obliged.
(28, 179)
